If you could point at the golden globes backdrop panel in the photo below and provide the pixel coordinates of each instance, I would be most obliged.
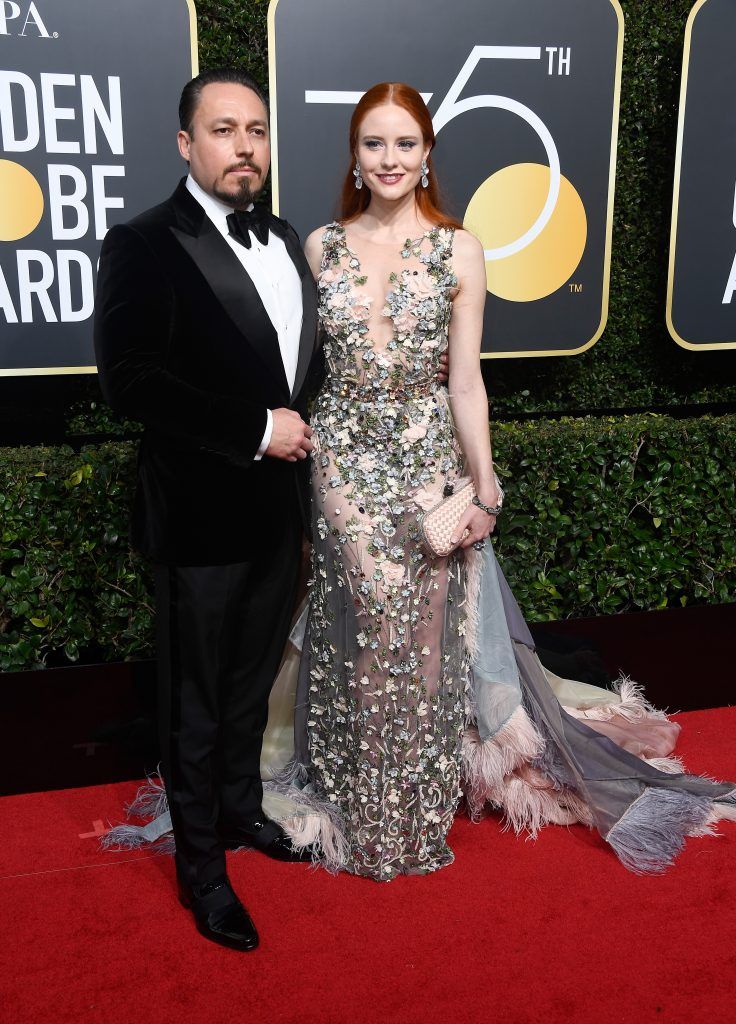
(88, 98)
(701, 293)
(524, 99)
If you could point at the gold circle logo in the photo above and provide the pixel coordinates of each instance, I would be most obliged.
(504, 207)
(21, 201)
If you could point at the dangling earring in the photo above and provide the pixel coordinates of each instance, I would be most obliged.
(357, 175)
(425, 172)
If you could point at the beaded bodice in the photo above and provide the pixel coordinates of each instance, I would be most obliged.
(400, 348)
(381, 413)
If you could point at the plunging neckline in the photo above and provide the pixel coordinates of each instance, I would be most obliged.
(395, 277)
(409, 244)
(406, 316)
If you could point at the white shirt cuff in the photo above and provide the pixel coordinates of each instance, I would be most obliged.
(265, 442)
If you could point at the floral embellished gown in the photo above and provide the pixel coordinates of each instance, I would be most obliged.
(423, 680)
(387, 658)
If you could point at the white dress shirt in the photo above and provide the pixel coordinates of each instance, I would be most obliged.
(276, 280)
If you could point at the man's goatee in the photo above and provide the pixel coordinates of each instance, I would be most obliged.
(239, 198)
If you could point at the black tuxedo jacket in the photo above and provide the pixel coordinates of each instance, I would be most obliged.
(184, 345)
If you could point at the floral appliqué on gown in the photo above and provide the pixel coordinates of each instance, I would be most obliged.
(387, 675)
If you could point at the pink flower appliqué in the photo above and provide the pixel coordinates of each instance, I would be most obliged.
(413, 433)
(393, 574)
(362, 304)
(331, 275)
(406, 320)
(421, 284)
(428, 497)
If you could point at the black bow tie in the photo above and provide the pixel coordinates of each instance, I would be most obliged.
(259, 220)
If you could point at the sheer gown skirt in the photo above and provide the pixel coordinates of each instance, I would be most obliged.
(387, 659)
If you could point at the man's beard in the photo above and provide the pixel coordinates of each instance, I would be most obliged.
(241, 196)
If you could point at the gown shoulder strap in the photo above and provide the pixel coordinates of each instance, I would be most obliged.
(442, 239)
(333, 244)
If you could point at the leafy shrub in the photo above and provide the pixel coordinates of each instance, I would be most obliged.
(69, 584)
(602, 516)
(613, 515)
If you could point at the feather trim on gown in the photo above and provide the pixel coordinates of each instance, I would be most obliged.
(524, 768)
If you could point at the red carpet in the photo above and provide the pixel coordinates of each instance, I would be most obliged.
(513, 932)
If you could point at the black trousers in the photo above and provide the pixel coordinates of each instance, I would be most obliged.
(221, 632)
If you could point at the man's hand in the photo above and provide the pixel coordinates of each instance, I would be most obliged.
(289, 437)
(444, 371)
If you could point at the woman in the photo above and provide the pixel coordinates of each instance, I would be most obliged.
(391, 730)
(418, 677)
(395, 277)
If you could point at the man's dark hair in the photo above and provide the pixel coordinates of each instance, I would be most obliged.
(193, 90)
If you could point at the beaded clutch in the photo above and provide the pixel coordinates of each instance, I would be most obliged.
(438, 524)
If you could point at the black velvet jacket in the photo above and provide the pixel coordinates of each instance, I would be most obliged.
(184, 345)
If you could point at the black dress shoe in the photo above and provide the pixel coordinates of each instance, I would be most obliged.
(219, 914)
(264, 835)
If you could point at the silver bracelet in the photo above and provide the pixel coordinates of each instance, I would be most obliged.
(489, 509)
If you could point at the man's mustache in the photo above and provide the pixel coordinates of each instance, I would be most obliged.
(243, 167)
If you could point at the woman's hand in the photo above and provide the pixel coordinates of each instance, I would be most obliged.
(478, 524)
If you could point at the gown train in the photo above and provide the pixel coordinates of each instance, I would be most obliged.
(536, 750)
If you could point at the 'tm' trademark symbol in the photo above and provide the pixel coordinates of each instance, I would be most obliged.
(575, 288)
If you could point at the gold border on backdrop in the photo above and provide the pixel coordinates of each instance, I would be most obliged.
(50, 371)
(611, 178)
(676, 192)
(273, 116)
(193, 43)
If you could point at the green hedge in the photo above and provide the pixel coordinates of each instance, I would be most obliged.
(602, 516)
(613, 515)
(69, 584)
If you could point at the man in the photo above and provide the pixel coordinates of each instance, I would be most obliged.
(205, 329)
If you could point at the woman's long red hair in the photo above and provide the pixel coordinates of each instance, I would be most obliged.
(354, 201)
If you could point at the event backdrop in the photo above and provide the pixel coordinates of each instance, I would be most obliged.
(524, 99)
(74, 66)
(88, 100)
(701, 294)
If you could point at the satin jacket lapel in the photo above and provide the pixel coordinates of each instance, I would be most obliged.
(308, 336)
(230, 283)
